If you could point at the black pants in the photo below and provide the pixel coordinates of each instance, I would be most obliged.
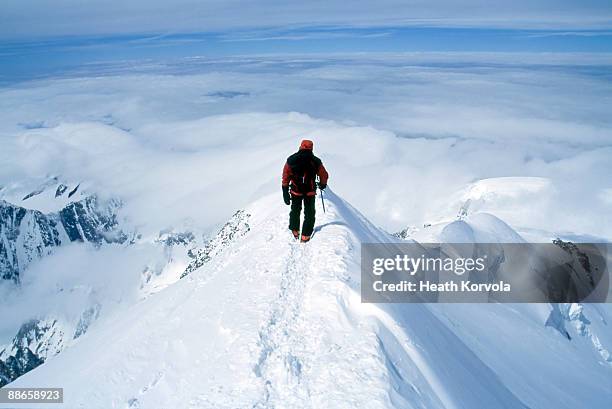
(309, 214)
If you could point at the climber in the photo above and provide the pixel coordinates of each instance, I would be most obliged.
(299, 186)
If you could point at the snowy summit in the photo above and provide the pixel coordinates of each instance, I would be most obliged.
(269, 322)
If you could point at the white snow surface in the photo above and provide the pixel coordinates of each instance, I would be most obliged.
(273, 323)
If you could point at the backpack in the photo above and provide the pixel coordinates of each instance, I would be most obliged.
(304, 167)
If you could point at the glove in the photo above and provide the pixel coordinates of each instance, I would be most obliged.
(286, 196)
(322, 186)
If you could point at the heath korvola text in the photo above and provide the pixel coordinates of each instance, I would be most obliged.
(452, 274)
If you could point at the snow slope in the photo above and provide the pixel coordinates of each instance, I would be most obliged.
(272, 323)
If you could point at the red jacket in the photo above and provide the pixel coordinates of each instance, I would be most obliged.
(299, 173)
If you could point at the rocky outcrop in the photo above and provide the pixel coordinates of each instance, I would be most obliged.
(34, 342)
(15, 366)
(92, 221)
(236, 227)
(27, 235)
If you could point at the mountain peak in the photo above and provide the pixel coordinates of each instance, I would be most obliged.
(267, 321)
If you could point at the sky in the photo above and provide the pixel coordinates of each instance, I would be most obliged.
(41, 38)
(40, 18)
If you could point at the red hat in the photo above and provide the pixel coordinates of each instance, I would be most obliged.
(306, 144)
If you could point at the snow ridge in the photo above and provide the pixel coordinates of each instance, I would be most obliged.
(272, 323)
(279, 365)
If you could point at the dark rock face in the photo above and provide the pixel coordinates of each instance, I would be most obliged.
(87, 220)
(16, 365)
(27, 235)
(73, 191)
(582, 257)
(37, 340)
(236, 227)
(406, 233)
(41, 188)
(19, 358)
(61, 189)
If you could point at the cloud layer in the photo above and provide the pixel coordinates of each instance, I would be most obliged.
(402, 135)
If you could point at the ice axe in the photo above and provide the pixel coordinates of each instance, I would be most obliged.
(322, 201)
(321, 190)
